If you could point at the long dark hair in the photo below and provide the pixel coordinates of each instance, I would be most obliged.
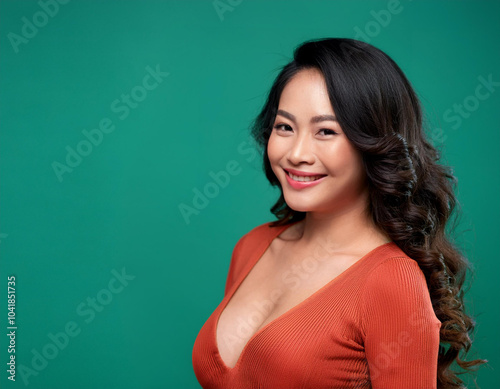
(411, 195)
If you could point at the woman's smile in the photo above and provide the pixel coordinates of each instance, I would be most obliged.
(300, 182)
(307, 136)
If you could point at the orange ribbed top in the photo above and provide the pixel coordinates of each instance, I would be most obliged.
(372, 326)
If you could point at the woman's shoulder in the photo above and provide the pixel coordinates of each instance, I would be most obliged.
(393, 275)
(390, 257)
(250, 241)
(395, 288)
(259, 233)
(390, 260)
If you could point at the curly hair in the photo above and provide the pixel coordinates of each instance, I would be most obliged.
(411, 195)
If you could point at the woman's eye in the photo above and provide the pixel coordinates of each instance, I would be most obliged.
(282, 126)
(286, 128)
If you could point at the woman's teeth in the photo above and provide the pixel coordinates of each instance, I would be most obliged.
(304, 178)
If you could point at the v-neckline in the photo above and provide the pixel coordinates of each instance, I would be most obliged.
(259, 256)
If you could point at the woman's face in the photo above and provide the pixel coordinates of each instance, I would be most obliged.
(307, 138)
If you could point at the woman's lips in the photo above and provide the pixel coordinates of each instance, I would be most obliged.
(302, 174)
(303, 184)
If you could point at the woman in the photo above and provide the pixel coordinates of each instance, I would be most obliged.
(356, 284)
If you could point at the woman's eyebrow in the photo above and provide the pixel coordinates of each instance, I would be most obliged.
(314, 119)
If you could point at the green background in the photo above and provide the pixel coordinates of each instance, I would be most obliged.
(119, 207)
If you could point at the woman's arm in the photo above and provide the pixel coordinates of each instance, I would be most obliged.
(401, 330)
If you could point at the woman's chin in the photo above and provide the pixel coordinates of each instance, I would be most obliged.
(299, 206)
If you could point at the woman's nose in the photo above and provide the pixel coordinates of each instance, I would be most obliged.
(301, 150)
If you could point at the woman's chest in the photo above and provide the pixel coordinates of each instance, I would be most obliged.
(274, 288)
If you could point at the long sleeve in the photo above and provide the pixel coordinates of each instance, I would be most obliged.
(372, 326)
(401, 330)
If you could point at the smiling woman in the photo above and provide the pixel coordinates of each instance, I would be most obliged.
(365, 202)
(304, 143)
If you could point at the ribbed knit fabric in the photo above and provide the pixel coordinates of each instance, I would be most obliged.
(372, 326)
